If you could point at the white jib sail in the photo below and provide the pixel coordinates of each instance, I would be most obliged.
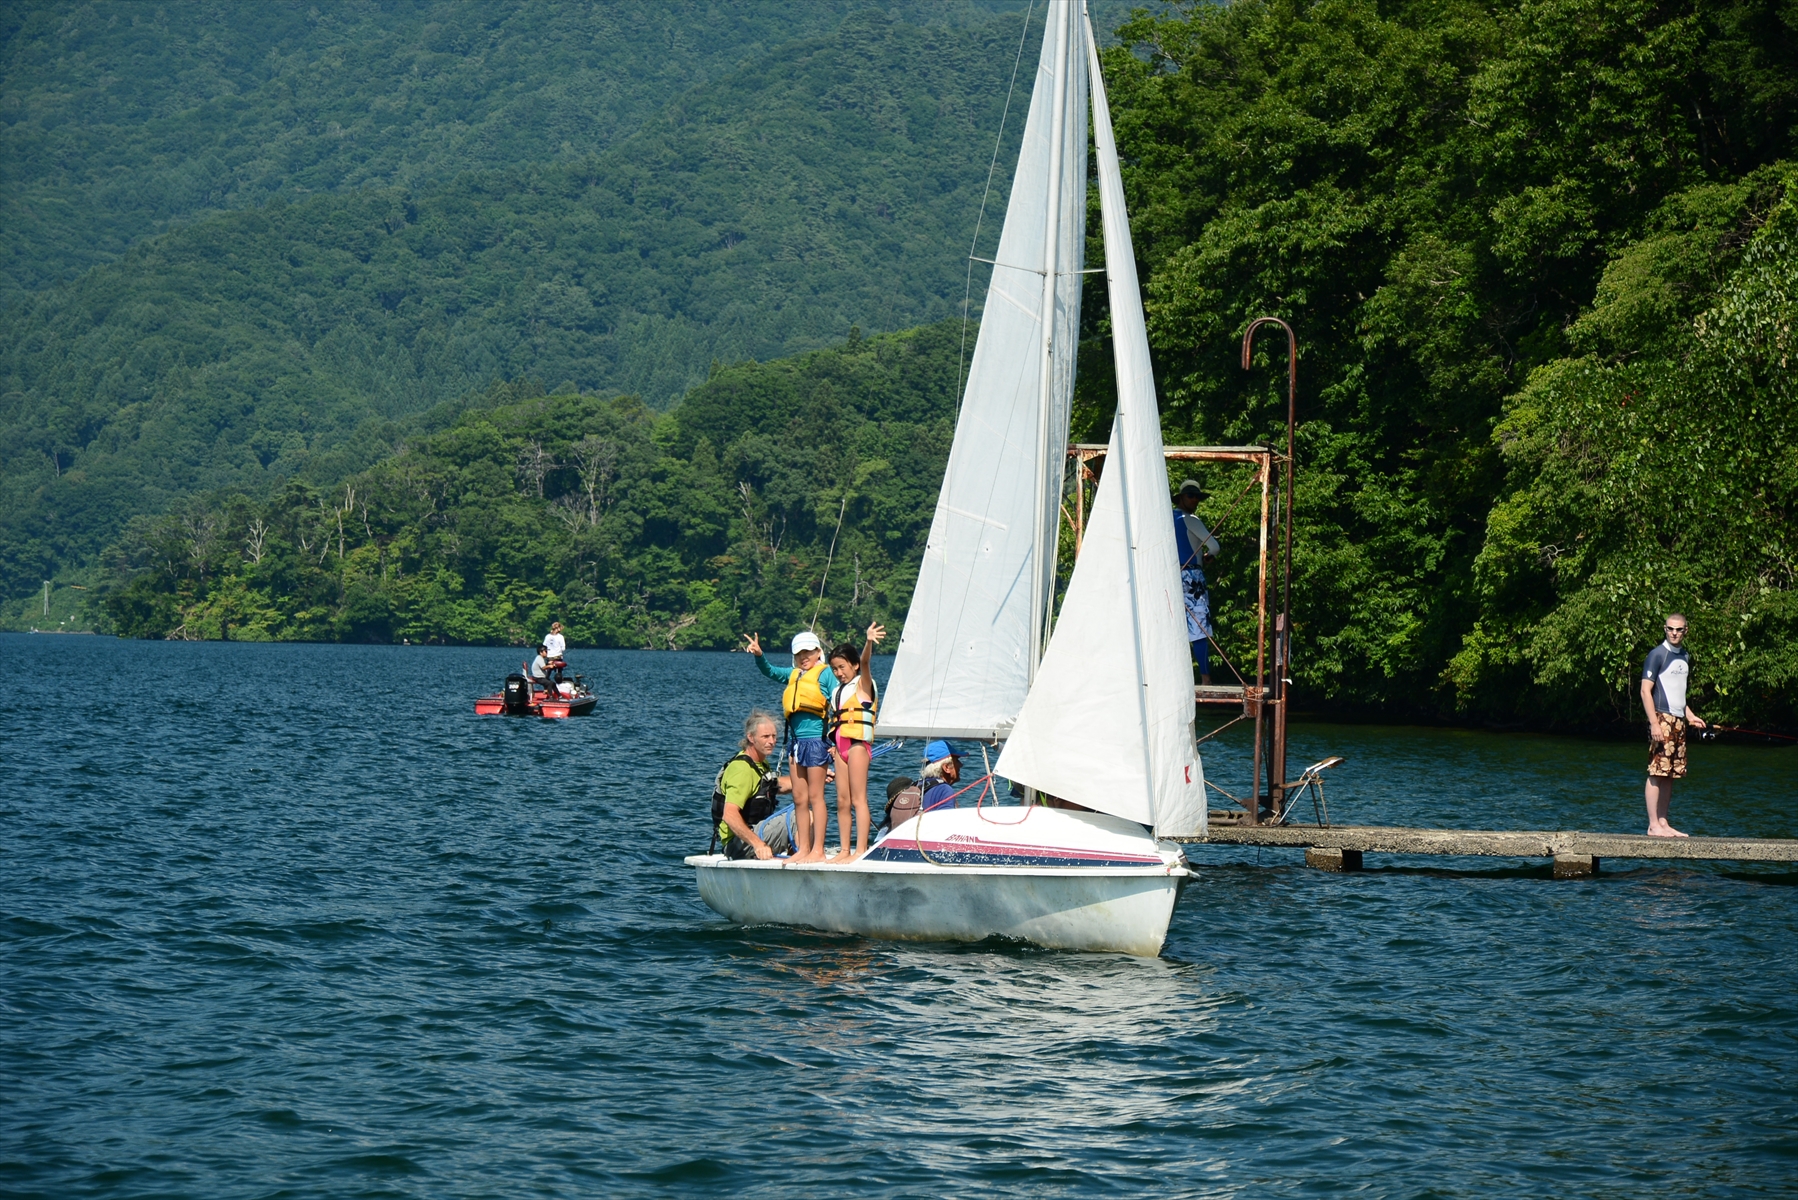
(965, 658)
(1109, 720)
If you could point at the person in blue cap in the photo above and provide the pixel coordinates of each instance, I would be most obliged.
(942, 771)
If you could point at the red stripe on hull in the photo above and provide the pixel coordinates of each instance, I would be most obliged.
(1029, 851)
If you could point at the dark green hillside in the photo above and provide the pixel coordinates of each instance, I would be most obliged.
(120, 117)
(1435, 194)
(635, 530)
(833, 183)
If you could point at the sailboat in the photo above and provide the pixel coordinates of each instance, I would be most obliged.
(1095, 708)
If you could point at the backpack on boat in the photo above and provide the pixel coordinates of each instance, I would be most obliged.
(903, 804)
(760, 805)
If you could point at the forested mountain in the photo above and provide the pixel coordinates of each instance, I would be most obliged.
(1542, 258)
(634, 529)
(122, 117)
(832, 181)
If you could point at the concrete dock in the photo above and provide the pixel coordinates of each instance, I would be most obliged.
(1574, 853)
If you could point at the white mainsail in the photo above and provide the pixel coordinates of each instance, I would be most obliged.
(978, 614)
(1108, 722)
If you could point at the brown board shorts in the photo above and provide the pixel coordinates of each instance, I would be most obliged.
(1667, 757)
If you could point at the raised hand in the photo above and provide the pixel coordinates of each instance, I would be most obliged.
(753, 643)
(876, 632)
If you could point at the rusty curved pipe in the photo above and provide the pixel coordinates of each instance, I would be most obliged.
(1292, 408)
(1276, 780)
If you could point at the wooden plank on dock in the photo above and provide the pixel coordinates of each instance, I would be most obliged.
(1220, 693)
(1501, 843)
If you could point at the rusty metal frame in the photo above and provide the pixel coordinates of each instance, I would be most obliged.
(1265, 700)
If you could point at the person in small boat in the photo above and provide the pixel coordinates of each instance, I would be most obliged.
(555, 650)
(539, 672)
(808, 685)
(1195, 544)
(852, 708)
(941, 774)
(746, 813)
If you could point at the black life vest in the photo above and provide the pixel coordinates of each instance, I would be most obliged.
(761, 803)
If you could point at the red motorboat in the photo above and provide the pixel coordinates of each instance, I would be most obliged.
(519, 699)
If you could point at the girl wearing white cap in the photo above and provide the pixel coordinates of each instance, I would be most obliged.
(809, 684)
(853, 706)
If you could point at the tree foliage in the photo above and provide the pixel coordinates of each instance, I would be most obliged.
(1540, 255)
(123, 117)
(1431, 192)
(1657, 472)
(634, 530)
(831, 182)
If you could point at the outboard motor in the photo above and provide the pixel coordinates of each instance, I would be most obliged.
(518, 695)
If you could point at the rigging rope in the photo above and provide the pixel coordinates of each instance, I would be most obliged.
(917, 833)
(844, 507)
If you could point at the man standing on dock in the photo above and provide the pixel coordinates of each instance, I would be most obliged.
(1195, 545)
(1665, 677)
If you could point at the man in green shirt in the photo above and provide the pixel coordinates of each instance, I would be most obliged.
(748, 784)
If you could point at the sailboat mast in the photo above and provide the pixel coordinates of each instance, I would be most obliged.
(1040, 595)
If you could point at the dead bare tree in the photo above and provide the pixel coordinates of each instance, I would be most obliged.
(762, 538)
(324, 520)
(571, 510)
(596, 459)
(201, 528)
(254, 536)
(340, 511)
(535, 462)
(678, 625)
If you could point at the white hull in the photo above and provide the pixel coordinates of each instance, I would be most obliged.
(964, 875)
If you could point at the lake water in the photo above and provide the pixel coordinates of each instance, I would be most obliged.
(291, 920)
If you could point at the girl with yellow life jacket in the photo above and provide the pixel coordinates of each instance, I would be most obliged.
(808, 685)
(853, 706)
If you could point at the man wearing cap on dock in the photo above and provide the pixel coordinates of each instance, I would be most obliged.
(1665, 677)
(1195, 544)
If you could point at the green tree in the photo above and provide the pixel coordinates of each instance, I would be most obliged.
(1430, 192)
(1656, 472)
(775, 494)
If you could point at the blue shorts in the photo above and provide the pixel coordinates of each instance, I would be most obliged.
(809, 752)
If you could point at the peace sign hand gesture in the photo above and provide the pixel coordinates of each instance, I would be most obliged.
(753, 644)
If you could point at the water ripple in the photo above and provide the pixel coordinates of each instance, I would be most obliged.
(327, 933)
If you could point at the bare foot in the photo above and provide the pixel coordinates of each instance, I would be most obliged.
(1664, 830)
